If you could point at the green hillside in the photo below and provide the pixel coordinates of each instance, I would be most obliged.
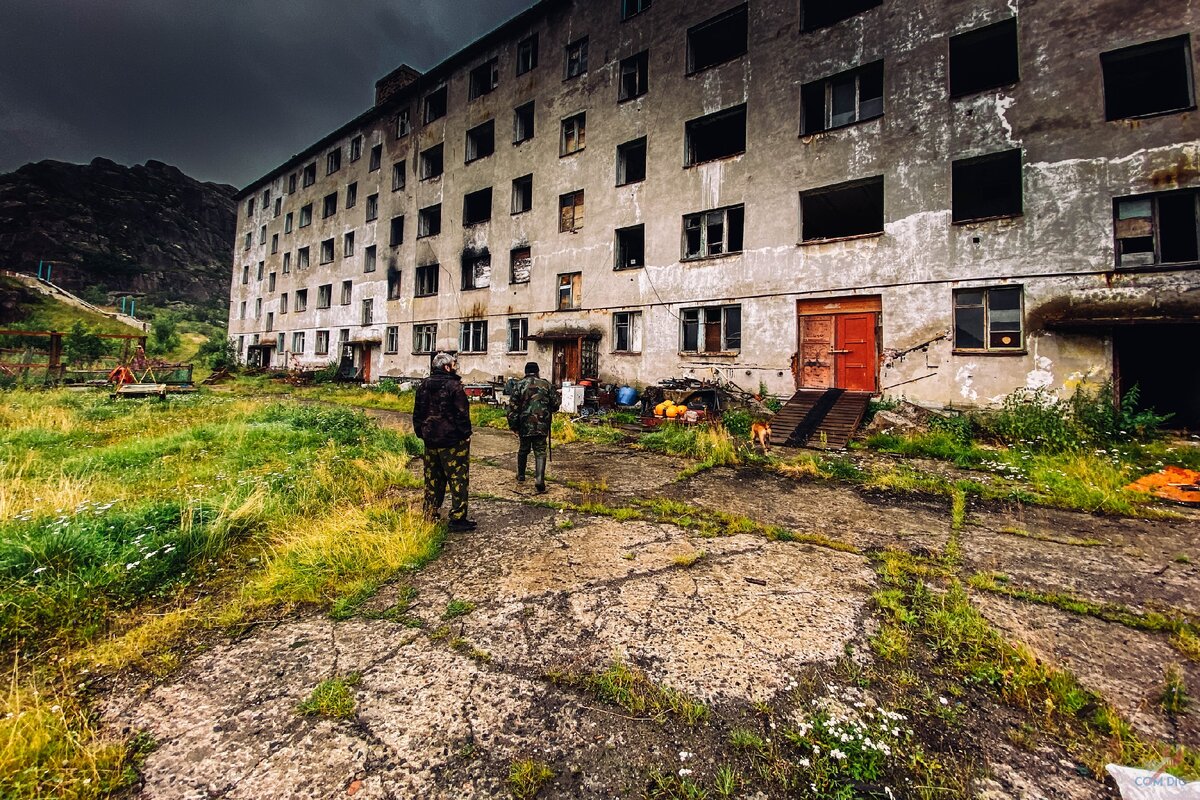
(24, 309)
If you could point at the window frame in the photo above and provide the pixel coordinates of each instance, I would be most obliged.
(985, 306)
(969, 41)
(633, 331)
(483, 79)
(527, 54)
(704, 228)
(637, 65)
(321, 343)
(391, 340)
(346, 297)
(817, 191)
(620, 246)
(690, 67)
(573, 295)
(324, 296)
(429, 221)
(521, 329)
(426, 278)
(631, 8)
(702, 320)
(575, 59)
(475, 144)
(333, 161)
(473, 336)
(573, 131)
(424, 332)
(1154, 200)
(521, 114)
(367, 311)
(399, 175)
(522, 189)
(435, 104)
(959, 183)
(828, 87)
(426, 161)
(691, 126)
(623, 151)
(574, 200)
(1112, 58)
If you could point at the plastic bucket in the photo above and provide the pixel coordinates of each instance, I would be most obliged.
(626, 395)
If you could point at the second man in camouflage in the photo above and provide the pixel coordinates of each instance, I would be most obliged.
(530, 413)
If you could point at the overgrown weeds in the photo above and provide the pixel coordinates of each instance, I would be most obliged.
(629, 688)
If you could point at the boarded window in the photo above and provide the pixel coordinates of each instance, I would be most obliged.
(631, 247)
(816, 14)
(570, 211)
(846, 209)
(715, 329)
(1158, 228)
(842, 99)
(522, 194)
(1148, 79)
(483, 79)
(986, 187)
(527, 54)
(481, 141)
(627, 332)
(988, 318)
(431, 162)
(717, 40)
(574, 134)
(520, 265)
(435, 105)
(518, 334)
(477, 207)
(715, 136)
(634, 74)
(429, 221)
(476, 270)
(523, 123)
(631, 162)
(426, 280)
(984, 58)
(711, 233)
(570, 286)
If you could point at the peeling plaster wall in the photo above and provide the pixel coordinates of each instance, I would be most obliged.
(1060, 249)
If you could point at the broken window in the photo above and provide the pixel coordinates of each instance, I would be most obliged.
(576, 58)
(298, 342)
(396, 231)
(278, 206)
(391, 339)
(306, 215)
(326, 251)
(574, 134)
(477, 207)
(634, 74)
(376, 158)
(270, 321)
(631, 162)
(262, 235)
(242, 310)
(310, 174)
(518, 334)
(283, 303)
(351, 194)
(473, 336)
(1148, 79)
(398, 175)
(481, 141)
(287, 222)
(302, 261)
(627, 332)
(356, 148)
(630, 8)
(429, 221)
(984, 58)
(250, 207)
(287, 263)
(527, 54)
(431, 162)
(435, 104)
(325, 295)
(261, 266)
(348, 244)
(523, 123)
(333, 161)
(393, 279)
(520, 264)
(986, 187)
(292, 183)
(823, 13)
(522, 194)
(271, 282)
(569, 286)
(372, 207)
(715, 136)
(248, 240)
(842, 99)
(631, 247)
(854, 208)
(370, 259)
(274, 243)
(329, 205)
(426, 280)
(483, 79)
(368, 311)
(476, 269)
(424, 338)
(570, 211)
(717, 40)
(245, 273)
(1159, 228)
(403, 123)
(714, 329)
(712, 233)
(321, 347)
(347, 292)
(988, 318)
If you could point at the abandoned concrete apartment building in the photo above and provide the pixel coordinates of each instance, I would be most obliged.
(943, 200)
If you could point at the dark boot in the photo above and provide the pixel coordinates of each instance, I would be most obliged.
(522, 462)
(539, 473)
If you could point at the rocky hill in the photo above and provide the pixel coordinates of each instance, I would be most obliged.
(147, 230)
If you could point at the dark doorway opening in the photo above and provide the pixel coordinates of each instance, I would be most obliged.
(1148, 356)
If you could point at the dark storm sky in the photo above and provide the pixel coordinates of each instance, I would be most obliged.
(223, 89)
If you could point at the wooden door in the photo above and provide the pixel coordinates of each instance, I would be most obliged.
(566, 361)
(816, 361)
(854, 352)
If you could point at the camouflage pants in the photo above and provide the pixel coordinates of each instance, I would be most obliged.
(535, 443)
(447, 466)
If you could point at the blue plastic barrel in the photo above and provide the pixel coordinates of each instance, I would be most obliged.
(626, 396)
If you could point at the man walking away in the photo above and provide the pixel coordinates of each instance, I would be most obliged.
(531, 410)
(442, 419)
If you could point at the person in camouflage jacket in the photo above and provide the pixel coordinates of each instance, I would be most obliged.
(442, 420)
(530, 412)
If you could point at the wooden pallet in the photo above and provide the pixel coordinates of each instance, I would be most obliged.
(830, 429)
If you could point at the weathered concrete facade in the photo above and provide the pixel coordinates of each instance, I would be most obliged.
(811, 296)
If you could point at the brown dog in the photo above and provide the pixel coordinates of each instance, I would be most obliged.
(760, 434)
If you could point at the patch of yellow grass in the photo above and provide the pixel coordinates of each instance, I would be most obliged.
(136, 646)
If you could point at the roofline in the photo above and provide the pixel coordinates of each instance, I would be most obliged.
(429, 79)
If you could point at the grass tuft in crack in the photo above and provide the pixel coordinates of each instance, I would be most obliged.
(331, 698)
(526, 778)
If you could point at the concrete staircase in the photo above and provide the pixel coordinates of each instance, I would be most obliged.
(63, 296)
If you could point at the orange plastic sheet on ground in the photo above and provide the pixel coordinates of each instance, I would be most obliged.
(1173, 483)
